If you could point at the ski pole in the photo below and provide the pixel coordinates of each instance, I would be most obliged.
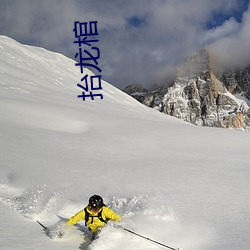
(45, 228)
(146, 238)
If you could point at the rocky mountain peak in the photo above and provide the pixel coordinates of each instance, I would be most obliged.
(202, 97)
(196, 64)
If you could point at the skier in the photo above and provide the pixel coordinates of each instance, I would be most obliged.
(95, 214)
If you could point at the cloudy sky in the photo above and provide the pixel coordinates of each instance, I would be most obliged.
(140, 41)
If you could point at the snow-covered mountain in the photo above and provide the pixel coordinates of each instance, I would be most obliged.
(202, 96)
(182, 185)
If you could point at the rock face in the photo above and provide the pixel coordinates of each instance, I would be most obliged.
(201, 97)
(137, 91)
(237, 81)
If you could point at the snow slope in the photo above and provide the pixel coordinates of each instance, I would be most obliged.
(176, 183)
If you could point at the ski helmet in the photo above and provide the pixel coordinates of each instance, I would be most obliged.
(95, 202)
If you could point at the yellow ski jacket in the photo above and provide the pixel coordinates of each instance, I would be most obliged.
(94, 223)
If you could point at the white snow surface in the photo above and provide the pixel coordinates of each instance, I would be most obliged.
(182, 185)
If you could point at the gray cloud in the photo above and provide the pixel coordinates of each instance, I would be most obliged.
(233, 49)
(140, 41)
